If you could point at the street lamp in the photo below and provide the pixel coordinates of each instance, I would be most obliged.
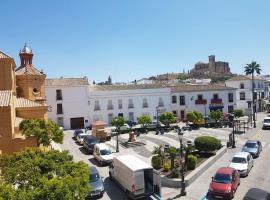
(183, 184)
(157, 109)
(117, 142)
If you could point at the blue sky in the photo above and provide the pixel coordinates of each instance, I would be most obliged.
(132, 39)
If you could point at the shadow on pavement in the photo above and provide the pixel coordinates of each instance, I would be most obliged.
(84, 151)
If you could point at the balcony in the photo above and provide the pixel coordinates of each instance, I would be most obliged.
(201, 101)
(216, 100)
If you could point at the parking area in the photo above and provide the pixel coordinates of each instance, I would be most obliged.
(142, 148)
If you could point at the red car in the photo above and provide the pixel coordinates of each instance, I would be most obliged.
(224, 183)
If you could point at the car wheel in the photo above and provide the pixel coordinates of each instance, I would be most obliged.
(233, 193)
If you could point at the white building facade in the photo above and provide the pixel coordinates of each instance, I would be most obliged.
(243, 85)
(201, 98)
(76, 104)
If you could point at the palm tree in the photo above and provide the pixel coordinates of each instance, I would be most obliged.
(252, 68)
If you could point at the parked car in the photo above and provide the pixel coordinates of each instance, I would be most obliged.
(224, 184)
(130, 122)
(257, 194)
(102, 153)
(266, 123)
(243, 162)
(123, 129)
(80, 138)
(254, 147)
(133, 175)
(76, 132)
(89, 142)
(96, 183)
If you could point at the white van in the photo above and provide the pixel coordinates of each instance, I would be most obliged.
(102, 153)
(133, 175)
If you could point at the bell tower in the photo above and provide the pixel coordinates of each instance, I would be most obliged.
(29, 80)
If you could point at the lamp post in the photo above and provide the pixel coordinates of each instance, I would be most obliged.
(117, 142)
(157, 109)
(183, 184)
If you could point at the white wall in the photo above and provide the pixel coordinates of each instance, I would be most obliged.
(75, 103)
(152, 96)
(190, 98)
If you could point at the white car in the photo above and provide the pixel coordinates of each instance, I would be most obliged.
(102, 153)
(80, 138)
(266, 123)
(243, 162)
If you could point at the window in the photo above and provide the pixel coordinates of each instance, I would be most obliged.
(145, 104)
(182, 114)
(230, 97)
(215, 96)
(131, 116)
(182, 100)
(230, 109)
(160, 102)
(120, 105)
(200, 97)
(174, 112)
(120, 115)
(59, 95)
(242, 96)
(262, 95)
(255, 95)
(59, 108)
(110, 105)
(110, 117)
(97, 106)
(242, 85)
(174, 99)
(60, 121)
(259, 86)
(130, 103)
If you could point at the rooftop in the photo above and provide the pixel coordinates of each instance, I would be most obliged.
(66, 81)
(28, 70)
(125, 87)
(225, 170)
(243, 77)
(133, 163)
(26, 103)
(3, 55)
(188, 87)
(5, 98)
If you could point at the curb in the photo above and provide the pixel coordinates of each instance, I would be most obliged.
(176, 182)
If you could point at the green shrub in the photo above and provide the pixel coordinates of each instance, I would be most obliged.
(166, 166)
(191, 162)
(207, 144)
(156, 162)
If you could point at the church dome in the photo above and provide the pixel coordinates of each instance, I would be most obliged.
(26, 49)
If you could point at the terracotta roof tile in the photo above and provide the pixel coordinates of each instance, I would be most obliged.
(29, 70)
(66, 81)
(3, 55)
(5, 98)
(125, 87)
(187, 88)
(26, 103)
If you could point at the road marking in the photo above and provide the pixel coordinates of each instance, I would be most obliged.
(204, 197)
(257, 135)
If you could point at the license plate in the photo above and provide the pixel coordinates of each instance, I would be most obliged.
(219, 197)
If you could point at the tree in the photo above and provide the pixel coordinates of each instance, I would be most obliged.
(195, 117)
(251, 69)
(43, 175)
(118, 122)
(158, 151)
(144, 119)
(44, 131)
(167, 118)
(238, 113)
(182, 77)
(172, 151)
(216, 115)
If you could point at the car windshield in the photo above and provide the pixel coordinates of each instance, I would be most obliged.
(251, 145)
(94, 177)
(222, 178)
(266, 120)
(79, 131)
(238, 160)
(105, 152)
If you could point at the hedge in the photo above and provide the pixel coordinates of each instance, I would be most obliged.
(156, 162)
(207, 144)
(191, 162)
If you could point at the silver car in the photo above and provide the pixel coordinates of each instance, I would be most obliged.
(96, 183)
(254, 147)
(243, 162)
